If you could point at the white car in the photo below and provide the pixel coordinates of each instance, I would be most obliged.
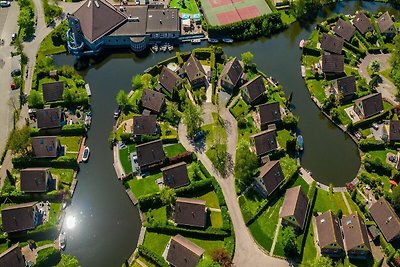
(5, 3)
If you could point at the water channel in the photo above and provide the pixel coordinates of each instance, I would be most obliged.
(107, 225)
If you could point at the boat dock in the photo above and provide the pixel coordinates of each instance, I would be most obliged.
(73, 187)
(88, 91)
(79, 159)
(131, 197)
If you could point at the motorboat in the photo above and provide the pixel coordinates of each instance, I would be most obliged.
(300, 142)
(227, 40)
(195, 41)
(170, 48)
(213, 40)
(62, 240)
(86, 153)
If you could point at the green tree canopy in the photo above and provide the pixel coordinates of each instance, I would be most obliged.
(322, 262)
(68, 261)
(247, 57)
(193, 118)
(35, 99)
(137, 82)
(246, 163)
(396, 197)
(222, 256)
(289, 241)
(147, 80)
(20, 139)
(168, 196)
(375, 66)
(123, 100)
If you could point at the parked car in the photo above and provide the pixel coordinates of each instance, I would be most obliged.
(5, 3)
(16, 72)
(358, 135)
(117, 112)
(13, 86)
(392, 158)
(375, 126)
(13, 36)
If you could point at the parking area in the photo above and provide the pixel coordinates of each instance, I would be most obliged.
(44, 208)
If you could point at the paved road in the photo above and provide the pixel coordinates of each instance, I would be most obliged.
(247, 252)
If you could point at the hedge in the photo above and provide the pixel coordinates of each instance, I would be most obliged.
(369, 121)
(210, 232)
(149, 201)
(194, 187)
(63, 162)
(229, 245)
(226, 220)
(153, 257)
(48, 257)
(203, 169)
(371, 144)
(311, 51)
(73, 129)
(359, 52)
(372, 164)
(218, 192)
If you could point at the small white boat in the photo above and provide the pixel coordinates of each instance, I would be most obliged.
(213, 40)
(227, 40)
(163, 48)
(170, 48)
(195, 41)
(62, 240)
(301, 43)
(88, 121)
(155, 48)
(86, 153)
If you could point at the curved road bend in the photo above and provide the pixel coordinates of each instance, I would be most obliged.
(247, 251)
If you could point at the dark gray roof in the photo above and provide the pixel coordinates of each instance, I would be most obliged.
(269, 113)
(194, 69)
(386, 219)
(190, 212)
(176, 175)
(296, 205)
(48, 118)
(265, 142)
(394, 131)
(97, 18)
(53, 91)
(333, 63)
(136, 25)
(150, 153)
(232, 72)
(45, 146)
(18, 217)
(347, 85)
(183, 252)
(144, 125)
(332, 44)
(344, 29)
(372, 104)
(385, 22)
(169, 79)
(163, 20)
(152, 100)
(272, 175)
(328, 229)
(255, 88)
(34, 180)
(362, 23)
(12, 257)
(354, 232)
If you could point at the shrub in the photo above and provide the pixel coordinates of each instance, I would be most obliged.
(60, 162)
(148, 254)
(371, 144)
(149, 201)
(203, 185)
(48, 257)
(174, 230)
(73, 129)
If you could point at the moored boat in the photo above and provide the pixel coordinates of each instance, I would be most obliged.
(213, 40)
(86, 153)
(300, 142)
(195, 41)
(62, 240)
(227, 40)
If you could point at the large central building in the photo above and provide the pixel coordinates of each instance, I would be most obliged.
(97, 25)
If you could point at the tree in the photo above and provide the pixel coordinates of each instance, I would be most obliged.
(20, 140)
(35, 99)
(246, 163)
(396, 197)
(207, 262)
(172, 114)
(68, 261)
(375, 66)
(322, 262)
(147, 80)
(193, 118)
(137, 82)
(168, 196)
(123, 101)
(289, 241)
(247, 58)
(290, 122)
(222, 256)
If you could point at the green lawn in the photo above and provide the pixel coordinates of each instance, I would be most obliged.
(308, 60)
(48, 47)
(208, 245)
(289, 166)
(65, 176)
(250, 203)
(211, 200)
(159, 215)
(387, 105)
(354, 207)
(167, 131)
(343, 117)
(283, 136)
(381, 154)
(212, 154)
(73, 143)
(325, 201)
(174, 150)
(185, 6)
(310, 251)
(216, 219)
(316, 89)
(156, 242)
(144, 186)
(124, 157)
(240, 108)
(144, 260)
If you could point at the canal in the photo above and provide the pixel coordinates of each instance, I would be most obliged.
(107, 226)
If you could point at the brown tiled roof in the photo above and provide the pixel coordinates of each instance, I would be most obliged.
(362, 23)
(183, 253)
(53, 91)
(190, 212)
(45, 146)
(332, 44)
(385, 22)
(255, 88)
(333, 63)
(175, 175)
(12, 257)
(232, 72)
(347, 85)
(296, 205)
(152, 100)
(18, 217)
(265, 142)
(144, 124)
(150, 153)
(48, 118)
(272, 175)
(97, 18)
(163, 20)
(386, 219)
(372, 104)
(34, 180)
(194, 69)
(169, 79)
(269, 113)
(328, 229)
(394, 131)
(354, 232)
(344, 29)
